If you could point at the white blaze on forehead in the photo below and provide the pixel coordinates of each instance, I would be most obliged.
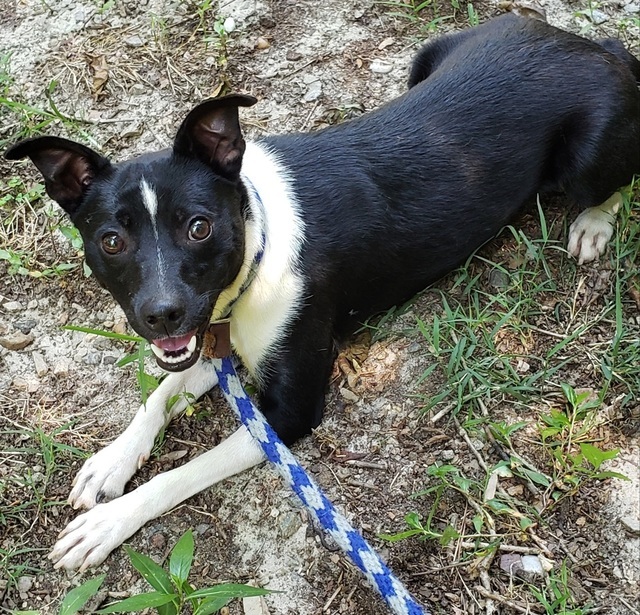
(150, 200)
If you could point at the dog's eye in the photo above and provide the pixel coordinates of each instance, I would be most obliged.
(112, 243)
(199, 229)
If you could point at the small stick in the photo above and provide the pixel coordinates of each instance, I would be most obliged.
(438, 415)
(502, 600)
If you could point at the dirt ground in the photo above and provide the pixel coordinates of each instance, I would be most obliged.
(120, 76)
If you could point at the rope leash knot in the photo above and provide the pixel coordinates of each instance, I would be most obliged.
(319, 506)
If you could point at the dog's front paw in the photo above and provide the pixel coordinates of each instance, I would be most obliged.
(89, 538)
(104, 476)
(592, 230)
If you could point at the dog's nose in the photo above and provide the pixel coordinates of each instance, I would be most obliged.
(163, 315)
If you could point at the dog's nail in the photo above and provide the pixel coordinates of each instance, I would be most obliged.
(142, 460)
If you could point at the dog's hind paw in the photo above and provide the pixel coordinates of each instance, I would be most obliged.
(104, 476)
(592, 230)
(89, 538)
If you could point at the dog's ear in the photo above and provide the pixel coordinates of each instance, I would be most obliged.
(68, 167)
(211, 133)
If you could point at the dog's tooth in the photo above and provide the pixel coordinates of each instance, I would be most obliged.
(157, 351)
(191, 346)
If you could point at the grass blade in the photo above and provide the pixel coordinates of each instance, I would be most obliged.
(182, 557)
(80, 595)
(152, 573)
(139, 602)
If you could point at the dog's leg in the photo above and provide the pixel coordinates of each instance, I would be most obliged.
(104, 476)
(89, 538)
(592, 230)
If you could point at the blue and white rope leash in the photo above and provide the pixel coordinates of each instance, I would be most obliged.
(323, 511)
(318, 505)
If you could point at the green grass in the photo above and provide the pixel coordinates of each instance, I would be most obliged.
(548, 344)
(34, 457)
(428, 15)
(26, 221)
(172, 592)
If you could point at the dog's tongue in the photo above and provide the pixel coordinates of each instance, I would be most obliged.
(174, 344)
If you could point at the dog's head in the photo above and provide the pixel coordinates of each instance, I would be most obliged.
(164, 232)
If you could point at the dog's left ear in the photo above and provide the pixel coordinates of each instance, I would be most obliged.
(211, 133)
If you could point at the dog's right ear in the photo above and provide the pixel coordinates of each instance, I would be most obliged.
(68, 167)
(211, 133)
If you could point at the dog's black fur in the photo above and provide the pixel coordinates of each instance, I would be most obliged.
(390, 202)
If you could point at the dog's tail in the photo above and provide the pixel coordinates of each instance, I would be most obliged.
(614, 46)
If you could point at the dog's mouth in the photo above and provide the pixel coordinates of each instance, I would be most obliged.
(176, 354)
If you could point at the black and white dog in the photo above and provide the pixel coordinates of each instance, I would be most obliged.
(307, 235)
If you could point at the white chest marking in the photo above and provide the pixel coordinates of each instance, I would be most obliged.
(263, 314)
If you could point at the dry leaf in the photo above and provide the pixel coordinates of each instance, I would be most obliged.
(386, 43)
(100, 76)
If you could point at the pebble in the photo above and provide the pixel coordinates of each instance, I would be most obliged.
(290, 523)
(531, 565)
(267, 22)
(313, 92)
(12, 306)
(254, 605)
(134, 41)
(447, 455)
(349, 395)
(134, 129)
(61, 368)
(293, 56)
(40, 364)
(498, 279)
(158, 541)
(120, 326)
(597, 16)
(633, 7)
(229, 25)
(33, 304)
(28, 383)
(16, 340)
(93, 358)
(262, 43)
(137, 89)
(382, 67)
(26, 325)
(23, 586)
(631, 525)
(527, 567)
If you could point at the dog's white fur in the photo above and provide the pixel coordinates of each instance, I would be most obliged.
(592, 230)
(260, 319)
(150, 200)
(262, 313)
